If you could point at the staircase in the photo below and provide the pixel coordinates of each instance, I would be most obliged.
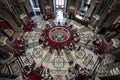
(113, 72)
(8, 77)
(113, 77)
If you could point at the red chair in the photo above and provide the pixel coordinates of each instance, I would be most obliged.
(31, 14)
(16, 47)
(100, 48)
(4, 25)
(27, 27)
(33, 64)
(33, 76)
(32, 22)
(49, 16)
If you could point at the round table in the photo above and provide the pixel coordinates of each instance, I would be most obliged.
(59, 36)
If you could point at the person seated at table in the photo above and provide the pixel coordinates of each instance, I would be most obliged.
(50, 49)
(71, 26)
(75, 35)
(74, 45)
(33, 64)
(21, 52)
(71, 62)
(21, 46)
(66, 48)
(41, 68)
(27, 26)
(71, 46)
(76, 39)
(49, 77)
(27, 69)
(74, 31)
(76, 68)
(22, 40)
(95, 42)
(47, 26)
(16, 53)
(40, 41)
(47, 43)
(70, 74)
(79, 47)
(43, 39)
(82, 77)
(66, 77)
(43, 32)
(16, 43)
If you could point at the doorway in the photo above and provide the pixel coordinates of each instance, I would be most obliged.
(60, 10)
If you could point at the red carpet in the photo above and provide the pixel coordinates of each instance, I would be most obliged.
(28, 26)
(4, 25)
(100, 48)
(62, 43)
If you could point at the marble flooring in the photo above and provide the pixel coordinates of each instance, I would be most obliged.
(59, 64)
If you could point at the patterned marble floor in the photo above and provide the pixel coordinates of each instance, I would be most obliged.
(59, 64)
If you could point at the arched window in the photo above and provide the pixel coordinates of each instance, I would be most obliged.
(60, 3)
